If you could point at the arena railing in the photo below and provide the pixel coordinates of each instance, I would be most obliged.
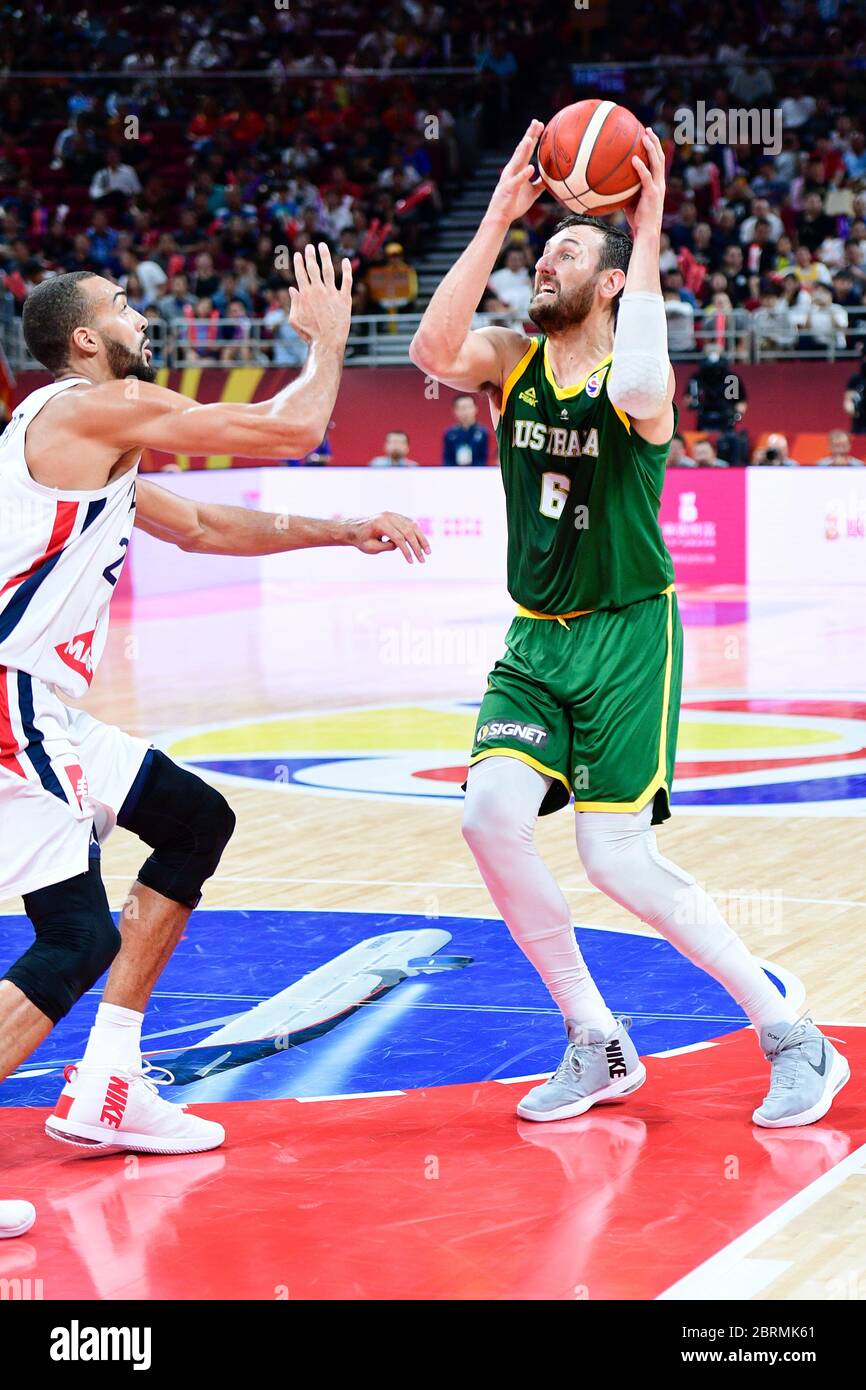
(378, 340)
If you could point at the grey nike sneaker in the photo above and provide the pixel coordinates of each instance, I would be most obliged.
(594, 1068)
(807, 1072)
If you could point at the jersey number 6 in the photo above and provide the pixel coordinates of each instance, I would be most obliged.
(554, 493)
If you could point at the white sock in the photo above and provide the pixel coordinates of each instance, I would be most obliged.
(502, 800)
(115, 1039)
(620, 855)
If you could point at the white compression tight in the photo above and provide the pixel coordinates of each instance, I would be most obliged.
(619, 854)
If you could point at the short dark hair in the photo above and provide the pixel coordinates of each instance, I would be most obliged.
(51, 311)
(616, 248)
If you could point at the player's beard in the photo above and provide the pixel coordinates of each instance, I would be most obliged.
(564, 310)
(124, 363)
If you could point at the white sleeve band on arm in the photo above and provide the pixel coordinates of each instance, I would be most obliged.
(638, 377)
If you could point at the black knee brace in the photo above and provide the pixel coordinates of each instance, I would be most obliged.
(187, 822)
(76, 941)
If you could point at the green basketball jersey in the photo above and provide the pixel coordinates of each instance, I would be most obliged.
(582, 492)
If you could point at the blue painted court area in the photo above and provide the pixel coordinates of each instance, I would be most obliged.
(451, 1000)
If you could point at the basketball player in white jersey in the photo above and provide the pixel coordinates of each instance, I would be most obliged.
(69, 498)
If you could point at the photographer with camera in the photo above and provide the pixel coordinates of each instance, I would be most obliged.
(718, 395)
(775, 453)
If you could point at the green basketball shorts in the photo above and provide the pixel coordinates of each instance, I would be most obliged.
(593, 702)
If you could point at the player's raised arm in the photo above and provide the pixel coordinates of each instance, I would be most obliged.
(445, 346)
(129, 414)
(641, 380)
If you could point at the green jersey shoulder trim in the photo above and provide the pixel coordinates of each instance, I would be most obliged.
(516, 373)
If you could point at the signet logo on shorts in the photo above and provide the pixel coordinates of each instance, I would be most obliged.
(512, 728)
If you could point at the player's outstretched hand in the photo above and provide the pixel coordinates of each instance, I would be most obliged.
(389, 531)
(320, 311)
(518, 187)
(646, 213)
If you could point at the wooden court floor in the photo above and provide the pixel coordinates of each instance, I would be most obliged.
(778, 685)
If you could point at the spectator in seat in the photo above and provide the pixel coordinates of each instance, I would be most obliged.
(491, 304)
(103, 242)
(726, 327)
(80, 257)
(808, 270)
(466, 442)
(845, 292)
(855, 157)
(760, 211)
(733, 267)
(512, 283)
(681, 322)
(784, 260)
(149, 274)
(775, 323)
(677, 456)
(202, 331)
(839, 443)
(854, 266)
(135, 295)
(205, 282)
(706, 456)
(822, 323)
(239, 348)
(682, 229)
(393, 283)
(760, 251)
(174, 304)
(396, 453)
(813, 224)
(114, 180)
(775, 453)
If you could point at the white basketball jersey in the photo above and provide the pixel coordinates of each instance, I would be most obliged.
(60, 557)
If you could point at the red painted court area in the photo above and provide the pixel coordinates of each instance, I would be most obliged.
(431, 1194)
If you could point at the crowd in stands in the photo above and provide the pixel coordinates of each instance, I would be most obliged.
(774, 241)
(149, 155)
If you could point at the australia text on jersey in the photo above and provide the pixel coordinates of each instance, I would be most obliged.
(550, 439)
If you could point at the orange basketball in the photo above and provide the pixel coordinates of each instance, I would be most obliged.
(585, 154)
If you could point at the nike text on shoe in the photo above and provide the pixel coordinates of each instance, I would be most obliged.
(102, 1111)
(807, 1072)
(16, 1218)
(594, 1069)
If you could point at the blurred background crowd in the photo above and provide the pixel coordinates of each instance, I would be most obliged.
(187, 152)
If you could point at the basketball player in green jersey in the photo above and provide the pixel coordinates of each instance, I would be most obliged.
(585, 701)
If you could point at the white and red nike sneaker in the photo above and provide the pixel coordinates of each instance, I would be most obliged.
(16, 1218)
(103, 1111)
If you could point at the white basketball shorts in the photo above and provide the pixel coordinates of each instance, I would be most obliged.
(63, 779)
